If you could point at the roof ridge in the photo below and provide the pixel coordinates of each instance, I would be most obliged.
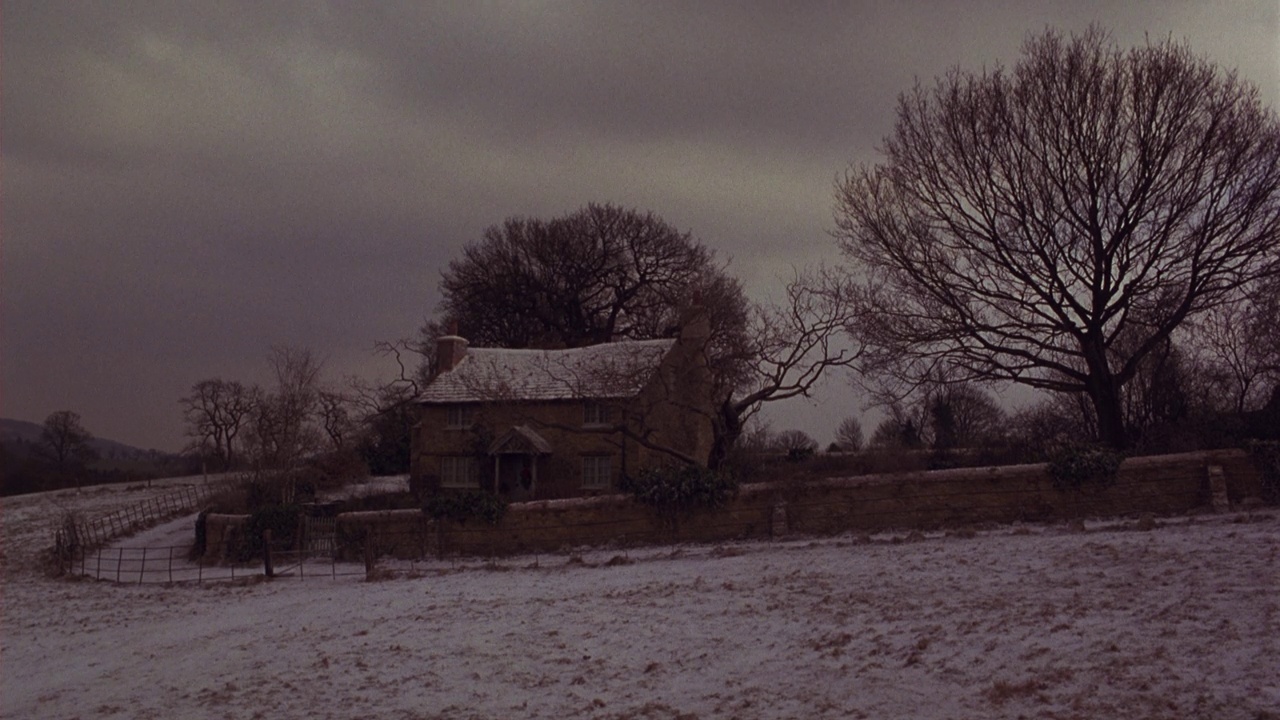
(580, 348)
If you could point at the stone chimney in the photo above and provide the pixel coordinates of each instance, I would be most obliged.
(450, 350)
(695, 321)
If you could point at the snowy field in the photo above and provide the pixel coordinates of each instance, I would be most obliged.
(1180, 621)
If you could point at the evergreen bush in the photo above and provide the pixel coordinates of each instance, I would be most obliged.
(463, 506)
(676, 490)
(1081, 467)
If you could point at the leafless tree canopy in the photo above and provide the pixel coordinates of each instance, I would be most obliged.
(1237, 347)
(1025, 220)
(849, 435)
(215, 412)
(282, 429)
(795, 443)
(599, 274)
(65, 440)
(794, 344)
(944, 416)
(606, 273)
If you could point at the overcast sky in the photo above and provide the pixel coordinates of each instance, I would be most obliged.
(187, 184)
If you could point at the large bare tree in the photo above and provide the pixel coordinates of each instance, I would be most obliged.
(601, 273)
(1024, 221)
(64, 439)
(282, 429)
(215, 412)
(606, 273)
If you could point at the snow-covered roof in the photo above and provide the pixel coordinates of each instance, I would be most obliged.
(610, 370)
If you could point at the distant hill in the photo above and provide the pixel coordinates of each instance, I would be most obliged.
(24, 469)
(19, 433)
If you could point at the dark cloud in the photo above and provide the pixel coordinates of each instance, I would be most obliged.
(186, 184)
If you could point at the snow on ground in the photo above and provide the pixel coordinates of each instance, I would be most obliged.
(1175, 622)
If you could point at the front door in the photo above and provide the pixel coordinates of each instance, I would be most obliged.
(516, 477)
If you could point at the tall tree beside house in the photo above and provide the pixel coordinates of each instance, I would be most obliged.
(599, 274)
(1055, 223)
(605, 273)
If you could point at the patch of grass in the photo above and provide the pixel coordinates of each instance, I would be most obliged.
(1002, 691)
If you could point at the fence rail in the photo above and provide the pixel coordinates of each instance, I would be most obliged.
(365, 560)
(77, 534)
(171, 565)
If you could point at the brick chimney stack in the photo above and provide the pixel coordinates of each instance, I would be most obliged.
(450, 350)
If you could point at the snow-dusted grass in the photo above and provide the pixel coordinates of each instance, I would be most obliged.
(1039, 622)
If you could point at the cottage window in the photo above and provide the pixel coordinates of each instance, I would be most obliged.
(458, 471)
(460, 416)
(597, 471)
(594, 413)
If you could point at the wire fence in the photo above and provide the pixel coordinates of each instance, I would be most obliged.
(172, 565)
(368, 558)
(76, 533)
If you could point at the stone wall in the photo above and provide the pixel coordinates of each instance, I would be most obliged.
(1163, 485)
(219, 533)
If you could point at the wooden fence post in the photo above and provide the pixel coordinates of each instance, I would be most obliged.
(266, 552)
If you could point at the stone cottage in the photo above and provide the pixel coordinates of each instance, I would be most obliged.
(543, 424)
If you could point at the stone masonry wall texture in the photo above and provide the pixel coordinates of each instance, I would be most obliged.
(1162, 485)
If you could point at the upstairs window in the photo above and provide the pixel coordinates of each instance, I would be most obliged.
(597, 472)
(458, 471)
(460, 417)
(596, 414)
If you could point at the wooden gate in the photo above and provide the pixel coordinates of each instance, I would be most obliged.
(318, 534)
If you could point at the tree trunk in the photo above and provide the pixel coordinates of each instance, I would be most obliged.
(726, 429)
(1104, 392)
(1105, 395)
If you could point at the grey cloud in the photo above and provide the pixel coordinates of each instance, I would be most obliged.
(186, 184)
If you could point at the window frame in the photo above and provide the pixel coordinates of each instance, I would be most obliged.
(459, 417)
(596, 414)
(592, 476)
(459, 471)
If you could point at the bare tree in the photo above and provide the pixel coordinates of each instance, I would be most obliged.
(794, 345)
(64, 439)
(796, 444)
(282, 430)
(849, 435)
(900, 430)
(215, 412)
(1238, 345)
(960, 415)
(1024, 220)
(335, 412)
(604, 274)
(599, 274)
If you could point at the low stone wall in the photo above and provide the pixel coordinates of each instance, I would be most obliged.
(220, 531)
(1161, 485)
(398, 533)
(922, 500)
